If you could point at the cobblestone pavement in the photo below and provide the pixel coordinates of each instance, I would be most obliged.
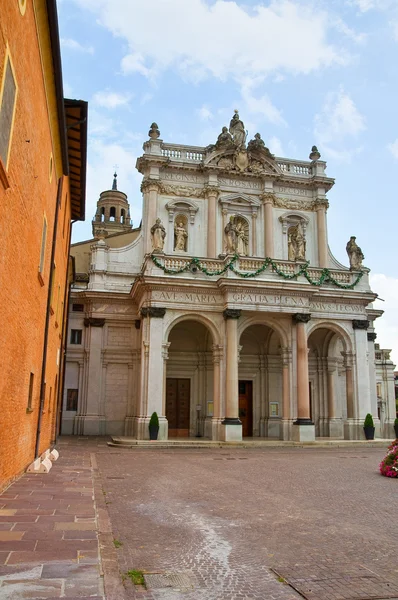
(238, 523)
(48, 533)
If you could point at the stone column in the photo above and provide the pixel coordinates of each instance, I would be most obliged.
(224, 224)
(286, 356)
(90, 421)
(372, 380)
(150, 189)
(131, 396)
(350, 425)
(268, 200)
(216, 418)
(231, 422)
(152, 374)
(335, 424)
(254, 232)
(303, 427)
(364, 406)
(212, 193)
(320, 206)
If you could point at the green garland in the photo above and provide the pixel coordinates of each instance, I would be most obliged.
(325, 277)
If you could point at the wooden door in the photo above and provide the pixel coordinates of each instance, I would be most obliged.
(246, 407)
(178, 395)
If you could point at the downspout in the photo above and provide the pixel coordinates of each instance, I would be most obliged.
(47, 325)
(65, 320)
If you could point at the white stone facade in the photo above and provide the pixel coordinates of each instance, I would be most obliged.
(228, 354)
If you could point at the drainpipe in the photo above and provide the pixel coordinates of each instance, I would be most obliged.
(47, 324)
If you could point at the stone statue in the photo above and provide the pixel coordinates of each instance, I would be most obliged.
(237, 130)
(314, 154)
(154, 132)
(158, 233)
(354, 254)
(180, 237)
(237, 239)
(296, 243)
(224, 139)
(230, 233)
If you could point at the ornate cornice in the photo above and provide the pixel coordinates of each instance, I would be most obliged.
(360, 324)
(301, 317)
(153, 311)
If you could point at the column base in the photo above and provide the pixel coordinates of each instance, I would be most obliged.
(231, 430)
(303, 432)
(89, 425)
(214, 428)
(140, 427)
(335, 428)
(285, 429)
(353, 429)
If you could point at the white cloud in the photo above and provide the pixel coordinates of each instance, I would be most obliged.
(280, 37)
(205, 113)
(74, 45)
(394, 148)
(387, 325)
(261, 105)
(108, 99)
(145, 98)
(365, 5)
(339, 119)
(342, 27)
(275, 146)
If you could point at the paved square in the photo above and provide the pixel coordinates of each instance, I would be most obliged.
(224, 518)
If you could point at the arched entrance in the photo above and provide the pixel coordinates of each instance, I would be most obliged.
(260, 382)
(189, 379)
(327, 364)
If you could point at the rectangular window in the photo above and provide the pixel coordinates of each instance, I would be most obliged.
(71, 399)
(78, 307)
(43, 245)
(76, 336)
(30, 395)
(8, 96)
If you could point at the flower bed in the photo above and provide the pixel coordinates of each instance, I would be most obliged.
(389, 464)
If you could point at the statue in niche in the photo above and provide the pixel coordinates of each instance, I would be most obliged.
(224, 139)
(296, 243)
(237, 236)
(354, 254)
(238, 132)
(158, 233)
(180, 237)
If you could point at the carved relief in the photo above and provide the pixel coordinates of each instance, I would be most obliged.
(181, 190)
(293, 204)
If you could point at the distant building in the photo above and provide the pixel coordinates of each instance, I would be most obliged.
(42, 189)
(226, 312)
(385, 388)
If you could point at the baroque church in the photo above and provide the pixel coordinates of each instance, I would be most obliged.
(225, 311)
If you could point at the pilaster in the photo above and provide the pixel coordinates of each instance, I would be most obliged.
(303, 428)
(231, 422)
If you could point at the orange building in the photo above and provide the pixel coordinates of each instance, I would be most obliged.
(43, 142)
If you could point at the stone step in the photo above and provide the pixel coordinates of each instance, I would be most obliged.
(129, 442)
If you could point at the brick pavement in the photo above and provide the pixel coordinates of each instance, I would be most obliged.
(48, 533)
(223, 519)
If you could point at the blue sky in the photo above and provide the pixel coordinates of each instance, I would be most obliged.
(300, 72)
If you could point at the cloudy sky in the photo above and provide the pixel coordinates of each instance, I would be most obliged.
(301, 72)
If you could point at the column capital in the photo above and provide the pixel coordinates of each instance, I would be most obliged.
(153, 311)
(217, 353)
(360, 324)
(165, 350)
(286, 354)
(212, 190)
(267, 197)
(301, 317)
(372, 336)
(232, 313)
(349, 359)
(94, 322)
(321, 203)
(151, 185)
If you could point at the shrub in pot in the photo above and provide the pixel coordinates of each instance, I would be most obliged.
(369, 427)
(154, 426)
(396, 427)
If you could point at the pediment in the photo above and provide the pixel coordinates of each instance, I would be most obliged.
(240, 200)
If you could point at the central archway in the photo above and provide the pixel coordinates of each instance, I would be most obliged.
(189, 379)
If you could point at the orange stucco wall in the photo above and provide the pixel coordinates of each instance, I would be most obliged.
(23, 296)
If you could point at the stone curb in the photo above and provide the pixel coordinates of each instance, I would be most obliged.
(114, 589)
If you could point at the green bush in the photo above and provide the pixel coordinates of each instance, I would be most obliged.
(368, 421)
(396, 422)
(154, 422)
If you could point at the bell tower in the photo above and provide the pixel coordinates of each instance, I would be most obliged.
(113, 212)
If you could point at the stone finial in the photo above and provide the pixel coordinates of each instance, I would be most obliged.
(315, 154)
(154, 132)
(114, 184)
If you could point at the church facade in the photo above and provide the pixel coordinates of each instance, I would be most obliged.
(225, 312)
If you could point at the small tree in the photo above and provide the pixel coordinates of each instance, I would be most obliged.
(368, 421)
(154, 421)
